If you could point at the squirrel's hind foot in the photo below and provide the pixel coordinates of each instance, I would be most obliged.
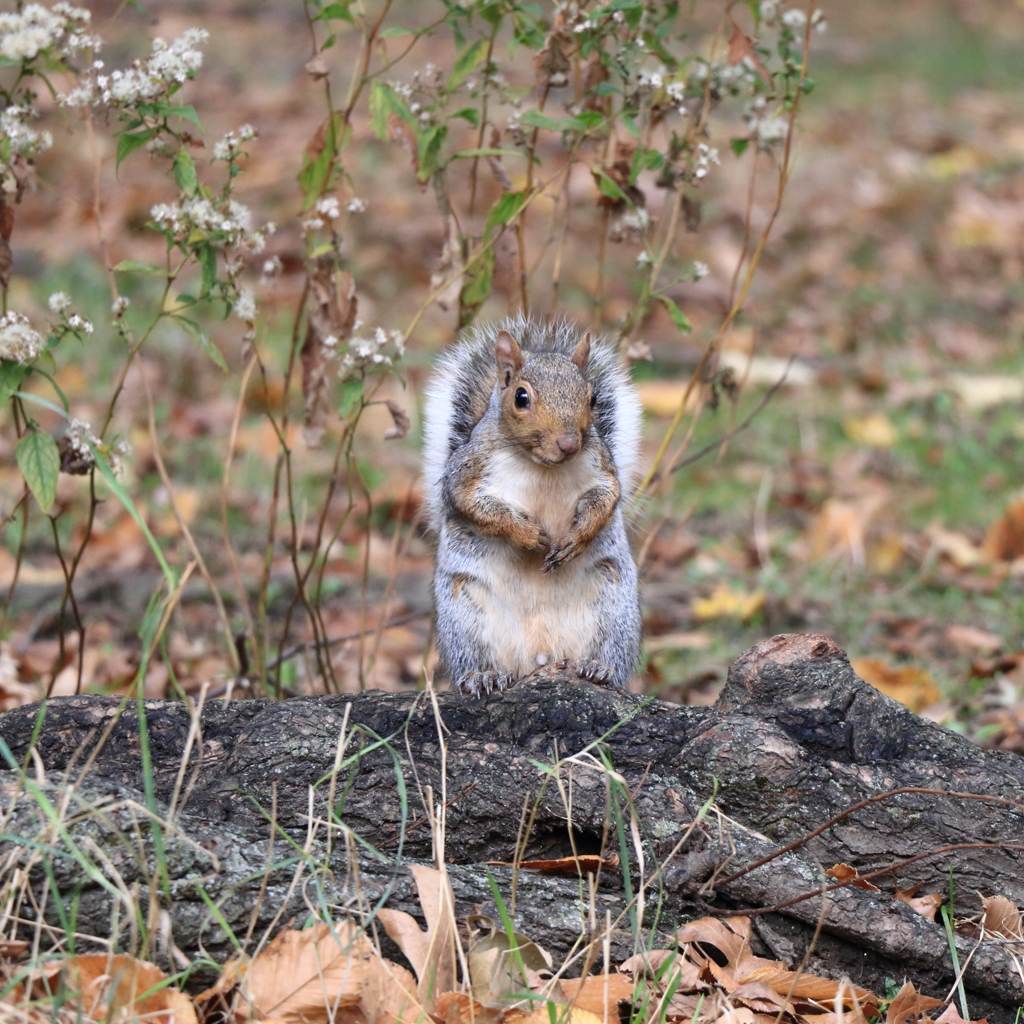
(593, 671)
(479, 684)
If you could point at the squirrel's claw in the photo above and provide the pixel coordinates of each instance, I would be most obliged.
(480, 684)
(594, 671)
(559, 556)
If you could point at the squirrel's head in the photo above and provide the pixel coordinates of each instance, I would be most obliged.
(547, 405)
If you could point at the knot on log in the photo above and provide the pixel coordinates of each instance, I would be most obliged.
(804, 684)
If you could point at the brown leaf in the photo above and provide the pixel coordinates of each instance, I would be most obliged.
(114, 989)
(926, 906)
(1005, 538)
(741, 47)
(332, 313)
(401, 421)
(820, 990)
(389, 995)
(551, 65)
(1001, 917)
(498, 171)
(909, 1005)
(909, 685)
(431, 953)
(571, 867)
(599, 994)
(951, 1015)
(845, 873)
(972, 640)
(459, 1008)
(402, 132)
(307, 977)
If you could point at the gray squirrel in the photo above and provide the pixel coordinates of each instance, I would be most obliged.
(531, 436)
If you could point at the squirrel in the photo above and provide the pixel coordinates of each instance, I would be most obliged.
(531, 435)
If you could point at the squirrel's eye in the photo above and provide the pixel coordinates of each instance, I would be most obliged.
(593, 400)
(522, 398)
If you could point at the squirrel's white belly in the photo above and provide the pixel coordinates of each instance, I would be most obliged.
(531, 618)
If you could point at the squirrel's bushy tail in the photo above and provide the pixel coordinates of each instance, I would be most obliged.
(460, 388)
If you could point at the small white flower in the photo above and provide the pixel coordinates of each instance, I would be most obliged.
(794, 18)
(119, 305)
(328, 207)
(643, 259)
(356, 205)
(313, 224)
(700, 270)
(18, 340)
(271, 268)
(79, 323)
(58, 302)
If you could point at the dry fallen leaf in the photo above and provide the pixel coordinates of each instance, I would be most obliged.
(1001, 917)
(909, 685)
(726, 603)
(307, 977)
(951, 1015)
(874, 429)
(960, 550)
(845, 873)
(1004, 541)
(926, 906)
(110, 988)
(598, 994)
(909, 1005)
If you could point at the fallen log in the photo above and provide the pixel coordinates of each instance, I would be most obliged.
(212, 826)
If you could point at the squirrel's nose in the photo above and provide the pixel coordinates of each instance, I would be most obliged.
(569, 444)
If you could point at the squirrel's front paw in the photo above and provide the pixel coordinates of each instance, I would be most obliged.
(560, 553)
(594, 671)
(529, 535)
(479, 684)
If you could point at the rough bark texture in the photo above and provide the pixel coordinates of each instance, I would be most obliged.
(795, 739)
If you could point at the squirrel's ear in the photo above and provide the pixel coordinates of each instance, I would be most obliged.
(582, 352)
(509, 356)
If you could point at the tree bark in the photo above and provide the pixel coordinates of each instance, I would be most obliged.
(270, 810)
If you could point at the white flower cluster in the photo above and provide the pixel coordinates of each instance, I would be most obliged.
(226, 223)
(767, 128)
(725, 78)
(362, 353)
(700, 270)
(33, 29)
(271, 268)
(328, 207)
(60, 303)
(168, 66)
(706, 156)
(119, 305)
(18, 340)
(229, 146)
(774, 14)
(77, 450)
(356, 205)
(21, 141)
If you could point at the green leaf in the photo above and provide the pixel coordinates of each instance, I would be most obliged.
(629, 122)
(478, 281)
(469, 114)
(606, 89)
(428, 151)
(396, 30)
(185, 172)
(384, 101)
(10, 377)
(39, 461)
(609, 188)
(739, 146)
(535, 119)
(317, 166)
(338, 11)
(470, 58)
(504, 209)
(589, 118)
(198, 335)
(208, 263)
(128, 142)
(485, 151)
(351, 392)
(138, 267)
(678, 316)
